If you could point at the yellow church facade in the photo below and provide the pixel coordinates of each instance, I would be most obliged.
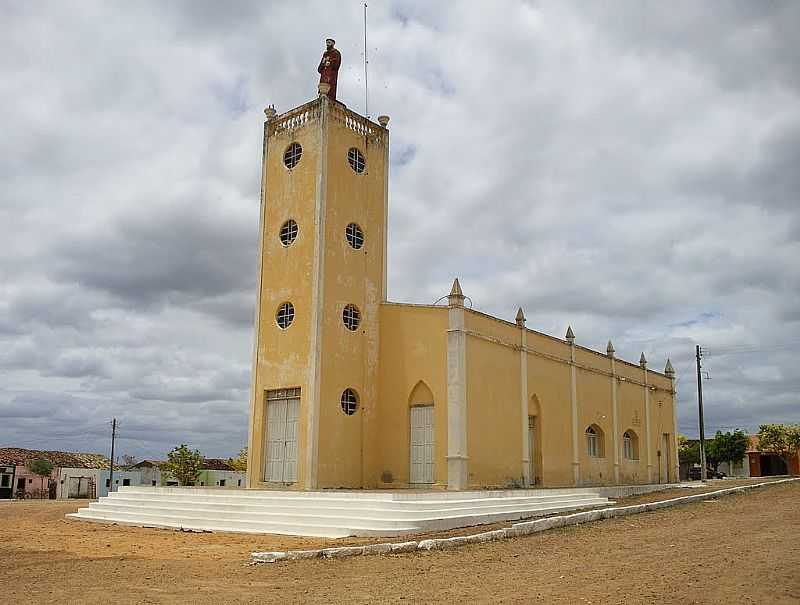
(350, 390)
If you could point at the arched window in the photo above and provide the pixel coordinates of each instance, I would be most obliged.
(594, 441)
(630, 445)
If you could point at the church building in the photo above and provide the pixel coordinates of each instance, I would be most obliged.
(351, 390)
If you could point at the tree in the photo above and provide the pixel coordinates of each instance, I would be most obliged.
(727, 447)
(240, 462)
(128, 460)
(184, 464)
(688, 451)
(43, 468)
(780, 439)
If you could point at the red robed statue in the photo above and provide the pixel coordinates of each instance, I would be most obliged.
(329, 67)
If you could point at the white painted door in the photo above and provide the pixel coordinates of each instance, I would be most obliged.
(281, 462)
(422, 444)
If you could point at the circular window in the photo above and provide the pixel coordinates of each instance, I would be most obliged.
(356, 160)
(288, 232)
(351, 317)
(285, 315)
(355, 236)
(292, 155)
(349, 402)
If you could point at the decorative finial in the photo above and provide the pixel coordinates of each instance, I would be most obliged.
(643, 360)
(383, 120)
(324, 88)
(270, 112)
(570, 335)
(669, 370)
(610, 349)
(520, 318)
(456, 296)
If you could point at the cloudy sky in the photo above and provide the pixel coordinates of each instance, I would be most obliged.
(629, 168)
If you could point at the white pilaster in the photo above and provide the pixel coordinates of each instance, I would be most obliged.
(648, 437)
(614, 410)
(523, 399)
(317, 286)
(670, 373)
(457, 460)
(256, 467)
(573, 401)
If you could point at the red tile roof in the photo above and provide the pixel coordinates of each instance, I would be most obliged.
(20, 456)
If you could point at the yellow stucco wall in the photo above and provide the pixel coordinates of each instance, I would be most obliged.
(413, 349)
(398, 357)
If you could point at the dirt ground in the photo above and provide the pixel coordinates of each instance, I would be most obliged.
(742, 549)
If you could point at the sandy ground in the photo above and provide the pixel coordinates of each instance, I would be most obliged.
(742, 549)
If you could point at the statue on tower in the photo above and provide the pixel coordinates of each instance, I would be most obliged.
(329, 67)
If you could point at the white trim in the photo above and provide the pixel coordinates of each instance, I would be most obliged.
(615, 418)
(647, 438)
(573, 401)
(457, 460)
(311, 479)
(256, 468)
(523, 399)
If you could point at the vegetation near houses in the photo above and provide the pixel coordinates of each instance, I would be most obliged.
(726, 447)
(688, 451)
(240, 462)
(40, 467)
(780, 439)
(184, 464)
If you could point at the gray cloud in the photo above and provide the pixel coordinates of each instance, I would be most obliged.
(628, 169)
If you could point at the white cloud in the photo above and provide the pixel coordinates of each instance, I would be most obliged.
(631, 170)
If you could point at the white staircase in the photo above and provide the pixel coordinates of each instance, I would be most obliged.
(329, 514)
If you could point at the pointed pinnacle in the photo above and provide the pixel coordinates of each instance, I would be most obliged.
(642, 360)
(610, 349)
(570, 334)
(520, 318)
(456, 289)
(669, 370)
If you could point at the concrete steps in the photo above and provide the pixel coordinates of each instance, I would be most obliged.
(328, 514)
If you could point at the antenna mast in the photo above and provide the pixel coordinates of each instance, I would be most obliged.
(366, 62)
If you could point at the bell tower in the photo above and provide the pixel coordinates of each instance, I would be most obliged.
(321, 280)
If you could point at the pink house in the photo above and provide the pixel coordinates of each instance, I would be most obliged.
(26, 484)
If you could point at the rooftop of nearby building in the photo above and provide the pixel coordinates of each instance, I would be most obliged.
(20, 456)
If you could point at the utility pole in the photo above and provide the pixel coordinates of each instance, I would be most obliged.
(113, 438)
(698, 355)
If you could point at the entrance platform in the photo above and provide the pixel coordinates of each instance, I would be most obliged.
(329, 514)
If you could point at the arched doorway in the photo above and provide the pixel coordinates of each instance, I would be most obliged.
(534, 441)
(422, 446)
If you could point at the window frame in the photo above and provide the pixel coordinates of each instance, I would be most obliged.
(292, 154)
(356, 159)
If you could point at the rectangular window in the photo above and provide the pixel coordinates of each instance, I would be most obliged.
(126, 482)
(5, 481)
(591, 441)
(240, 483)
(108, 482)
(153, 482)
(222, 482)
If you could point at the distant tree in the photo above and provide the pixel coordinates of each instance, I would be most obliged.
(128, 460)
(184, 464)
(688, 452)
(240, 462)
(780, 439)
(43, 468)
(727, 447)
